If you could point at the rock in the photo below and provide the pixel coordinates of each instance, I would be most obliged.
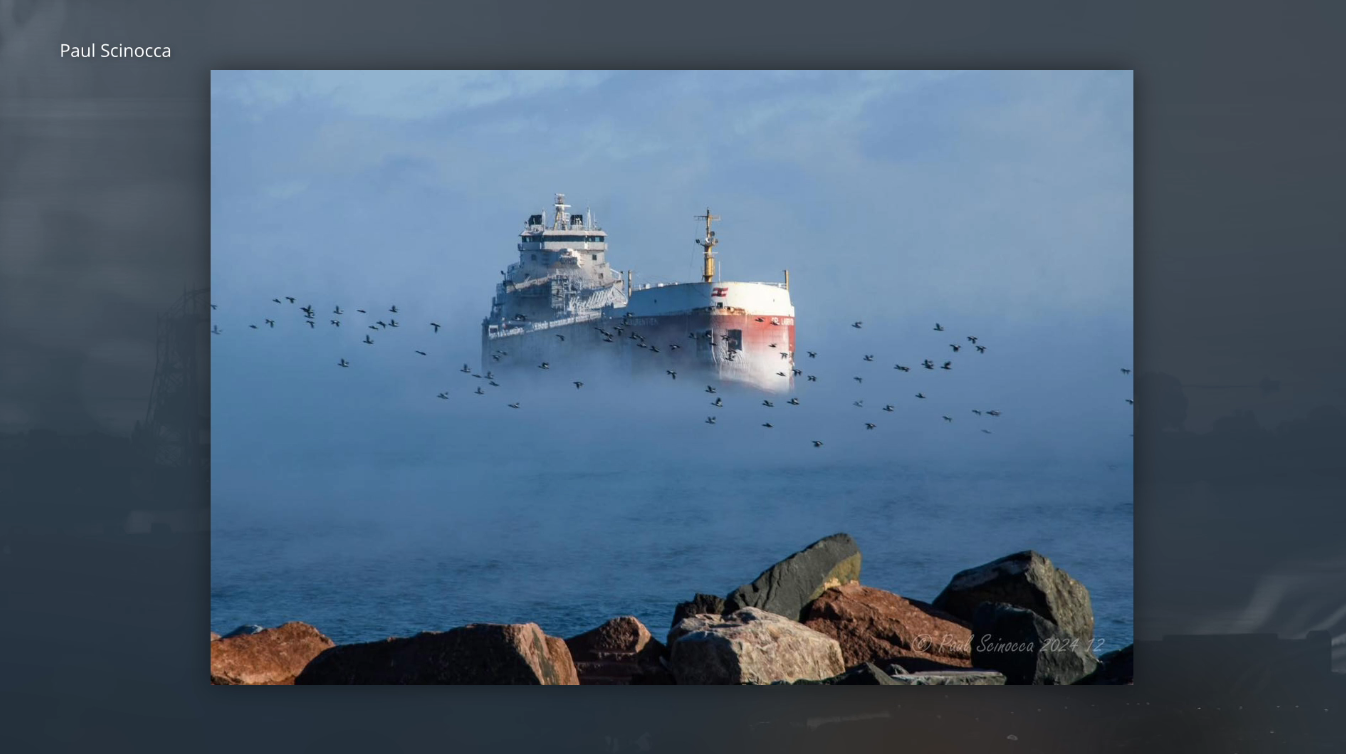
(481, 653)
(619, 652)
(1026, 647)
(1116, 668)
(787, 587)
(880, 627)
(214, 636)
(950, 678)
(252, 628)
(701, 604)
(270, 657)
(1028, 580)
(864, 674)
(751, 646)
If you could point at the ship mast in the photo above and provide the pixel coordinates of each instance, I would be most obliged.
(708, 243)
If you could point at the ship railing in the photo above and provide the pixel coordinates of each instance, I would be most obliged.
(505, 332)
(649, 286)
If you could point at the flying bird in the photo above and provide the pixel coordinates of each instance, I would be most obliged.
(421, 352)
(1126, 371)
(214, 306)
(781, 374)
(562, 337)
(948, 418)
(993, 413)
(956, 348)
(307, 310)
(362, 311)
(920, 395)
(544, 365)
(310, 324)
(888, 408)
(901, 368)
(1130, 402)
(812, 378)
(870, 426)
(768, 404)
(276, 300)
(857, 325)
(253, 326)
(290, 299)
(987, 431)
(672, 373)
(578, 384)
(393, 308)
(869, 357)
(817, 443)
(271, 322)
(939, 327)
(975, 411)
(972, 340)
(710, 420)
(337, 311)
(768, 425)
(445, 396)
(392, 323)
(380, 323)
(480, 391)
(710, 389)
(793, 401)
(343, 363)
(813, 354)
(858, 404)
(718, 403)
(947, 365)
(981, 349)
(369, 340)
(858, 379)
(336, 322)
(466, 369)
(513, 405)
(435, 325)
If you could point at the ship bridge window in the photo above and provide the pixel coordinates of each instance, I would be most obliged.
(594, 257)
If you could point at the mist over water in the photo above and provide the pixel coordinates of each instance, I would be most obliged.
(356, 500)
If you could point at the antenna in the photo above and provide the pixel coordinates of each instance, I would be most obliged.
(708, 243)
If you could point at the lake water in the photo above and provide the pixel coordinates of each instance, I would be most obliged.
(365, 550)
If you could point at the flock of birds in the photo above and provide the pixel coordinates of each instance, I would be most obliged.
(619, 330)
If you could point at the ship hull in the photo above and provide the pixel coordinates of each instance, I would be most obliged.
(739, 348)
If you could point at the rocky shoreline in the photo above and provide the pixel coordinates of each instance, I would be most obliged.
(807, 620)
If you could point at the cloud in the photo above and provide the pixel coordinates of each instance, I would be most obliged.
(393, 95)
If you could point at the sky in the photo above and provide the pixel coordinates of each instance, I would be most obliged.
(997, 203)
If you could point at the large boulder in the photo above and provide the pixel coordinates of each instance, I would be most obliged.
(1026, 647)
(1028, 580)
(479, 654)
(881, 627)
(1116, 668)
(751, 646)
(701, 604)
(619, 652)
(788, 586)
(270, 657)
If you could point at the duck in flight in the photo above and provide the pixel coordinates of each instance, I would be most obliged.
(971, 339)
(393, 308)
(817, 443)
(987, 431)
(869, 425)
(947, 365)
(948, 418)
(928, 364)
(869, 357)
(392, 323)
(956, 348)
(337, 311)
(435, 325)
(307, 310)
(343, 363)
(290, 299)
(381, 323)
(445, 396)
(271, 323)
(369, 340)
(768, 404)
(544, 365)
(710, 420)
(813, 354)
(466, 369)
(336, 322)
(939, 327)
(673, 346)
(578, 384)
(975, 411)
(768, 425)
(253, 326)
(901, 368)
(781, 374)
(513, 405)
(672, 373)
(362, 311)
(859, 403)
(797, 372)
(1126, 371)
(421, 352)
(1130, 402)
(310, 324)
(562, 337)
(276, 300)
(813, 378)
(214, 306)
(857, 325)
(920, 395)
(718, 402)
(888, 408)
(981, 349)
(993, 413)
(793, 401)
(858, 379)
(710, 389)
(480, 391)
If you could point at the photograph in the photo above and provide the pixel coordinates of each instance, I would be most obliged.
(551, 377)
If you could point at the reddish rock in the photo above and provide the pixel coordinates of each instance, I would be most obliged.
(214, 636)
(880, 627)
(620, 652)
(273, 657)
(478, 654)
(750, 646)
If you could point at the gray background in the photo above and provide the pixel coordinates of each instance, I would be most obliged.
(104, 222)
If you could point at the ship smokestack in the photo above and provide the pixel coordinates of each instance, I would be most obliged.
(787, 280)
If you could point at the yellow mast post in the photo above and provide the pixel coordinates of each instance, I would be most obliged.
(707, 243)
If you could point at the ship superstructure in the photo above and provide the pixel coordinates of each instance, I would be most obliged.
(562, 302)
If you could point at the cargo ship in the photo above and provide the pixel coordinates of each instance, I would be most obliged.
(562, 305)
